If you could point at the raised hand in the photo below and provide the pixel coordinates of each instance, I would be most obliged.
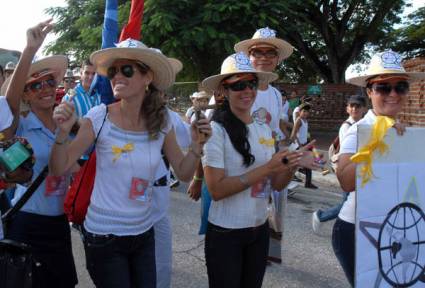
(201, 131)
(64, 116)
(37, 34)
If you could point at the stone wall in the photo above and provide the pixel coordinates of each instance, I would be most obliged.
(413, 113)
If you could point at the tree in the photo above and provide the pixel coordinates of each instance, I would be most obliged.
(328, 35)
(410, 39)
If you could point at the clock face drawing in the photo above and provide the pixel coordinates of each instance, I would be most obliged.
(400, 245)
(390, 58)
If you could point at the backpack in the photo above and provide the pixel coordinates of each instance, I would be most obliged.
(334, 151)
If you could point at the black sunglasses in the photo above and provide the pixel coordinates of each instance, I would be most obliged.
(127, 70)
(259, 53)
(401, 88)
(241, 85)
(38, 85)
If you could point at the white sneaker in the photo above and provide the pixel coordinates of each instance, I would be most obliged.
(316, 224)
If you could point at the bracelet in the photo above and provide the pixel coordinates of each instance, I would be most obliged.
(196, 178)
(243, 180)
(197, 155)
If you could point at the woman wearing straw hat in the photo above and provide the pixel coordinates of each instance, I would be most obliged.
(240, 168)
(41, 222)
(387, 85)
(118, 228)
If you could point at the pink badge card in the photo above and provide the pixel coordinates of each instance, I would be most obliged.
(258, 190)
(55, 185)
(139, 189)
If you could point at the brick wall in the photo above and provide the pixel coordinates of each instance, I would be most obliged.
(328, 111)
(413, 113)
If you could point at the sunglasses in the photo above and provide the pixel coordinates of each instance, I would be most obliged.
(38, 85)
(241, 85)
(127, 70)
(401, 88)
(269, 54)
(69, 81)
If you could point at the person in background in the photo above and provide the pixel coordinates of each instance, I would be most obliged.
(8, 69)
(69, 80)
(1, 75)
(296, 110)
(356, 108)
(84, 99)
(294, 101)
(198, 99)
(41, 222)
(299, 135)
(387, 85)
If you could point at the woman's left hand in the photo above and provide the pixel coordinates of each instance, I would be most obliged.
(201, 131)
(400, 127)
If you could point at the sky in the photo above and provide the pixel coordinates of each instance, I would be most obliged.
(19, 15)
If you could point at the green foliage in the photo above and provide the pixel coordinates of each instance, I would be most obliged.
(410, 39)
(328, 35)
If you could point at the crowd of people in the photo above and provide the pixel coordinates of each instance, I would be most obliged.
(244, 142)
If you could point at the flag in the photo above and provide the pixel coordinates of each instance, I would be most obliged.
(134, 25)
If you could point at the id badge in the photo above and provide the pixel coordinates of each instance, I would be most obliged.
(55, 185)
(140, 190)
(260, 189)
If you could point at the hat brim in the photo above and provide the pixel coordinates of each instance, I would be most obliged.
(56, 63)
(362, 80)
(164, 73)
(213, 82)
(284, 48)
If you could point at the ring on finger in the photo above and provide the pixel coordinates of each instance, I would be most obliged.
(285, 161)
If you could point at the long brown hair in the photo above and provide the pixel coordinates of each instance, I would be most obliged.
(154, 112)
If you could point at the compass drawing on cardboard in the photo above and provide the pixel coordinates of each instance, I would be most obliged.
(390, 218)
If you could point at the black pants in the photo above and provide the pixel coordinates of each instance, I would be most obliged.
(121, 261)
(236, 258)
(343, 243)
(50, 241)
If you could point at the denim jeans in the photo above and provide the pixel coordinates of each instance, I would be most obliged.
(332, 212)
(236, 258)
(121, 261)
(343, 243)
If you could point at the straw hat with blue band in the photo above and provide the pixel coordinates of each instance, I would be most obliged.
(164, 70)
(386, 65)
(265, 37)
(237, 64)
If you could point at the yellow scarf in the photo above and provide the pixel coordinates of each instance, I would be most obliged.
(376, 142)
(117, 151)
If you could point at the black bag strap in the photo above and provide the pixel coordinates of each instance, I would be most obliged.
(21, 202)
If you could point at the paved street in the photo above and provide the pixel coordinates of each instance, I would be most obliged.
(308, 259)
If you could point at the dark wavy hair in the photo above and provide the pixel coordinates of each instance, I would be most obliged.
(237, 131)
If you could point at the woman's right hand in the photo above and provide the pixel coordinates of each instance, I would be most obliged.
(37, 34)
(277, 163)
(64, 116)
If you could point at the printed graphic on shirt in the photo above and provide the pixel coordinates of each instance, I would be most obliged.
(260, 189)
(261, 116)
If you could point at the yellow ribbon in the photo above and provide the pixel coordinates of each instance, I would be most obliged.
(267, 142)
(376, 142)
(117, 151)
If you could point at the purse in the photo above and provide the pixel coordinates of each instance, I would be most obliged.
(77, 198)
(16, 260)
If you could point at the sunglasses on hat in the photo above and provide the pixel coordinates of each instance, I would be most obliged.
(241, 85)
(401, 88)
(127, 70)
(38, 85)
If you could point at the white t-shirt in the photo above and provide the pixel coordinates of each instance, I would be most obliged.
(302, 133)
(296, 110)
(112, 210)
(349, 146)
(344, 128)
(6, 116)
(285, 110)
(267, 108)
(240, 210)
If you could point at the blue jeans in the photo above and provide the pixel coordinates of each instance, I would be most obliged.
(343, 244)
(205, 208)
(332, 212)
(121, 261)
(236, 258)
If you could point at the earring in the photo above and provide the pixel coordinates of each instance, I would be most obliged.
(147, 88)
